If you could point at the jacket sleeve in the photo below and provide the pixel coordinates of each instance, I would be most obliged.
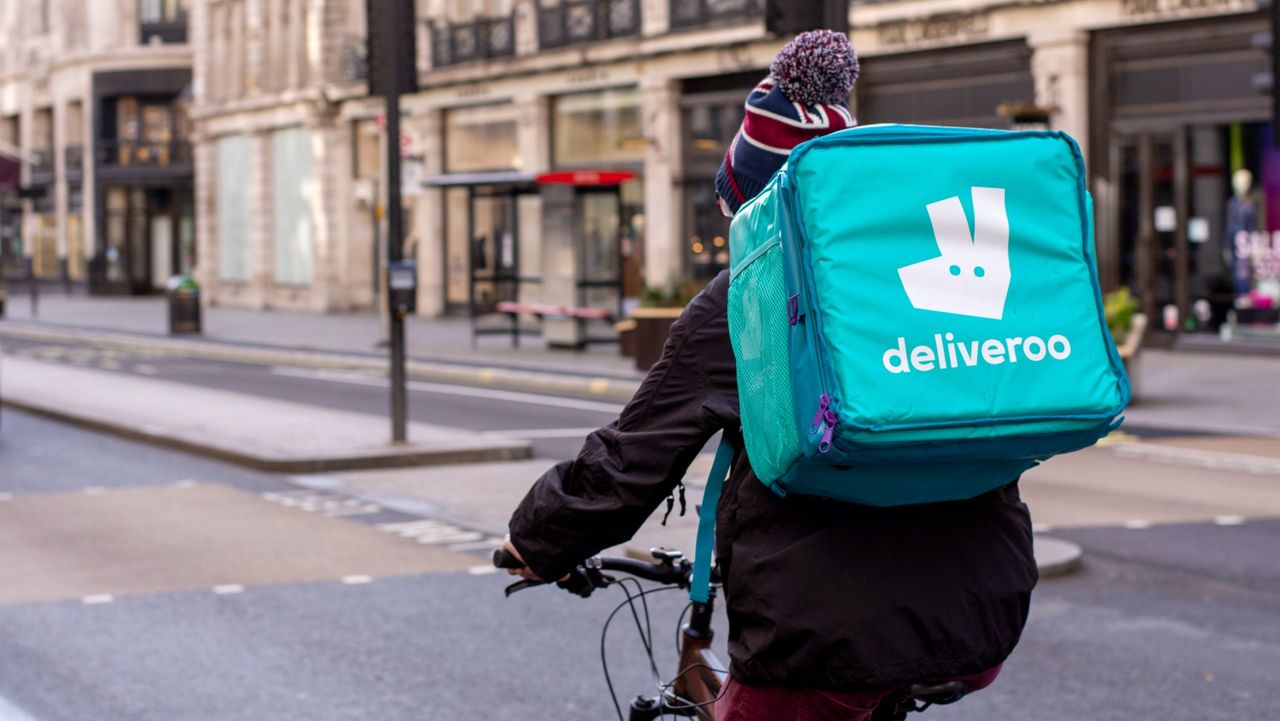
(625, 470)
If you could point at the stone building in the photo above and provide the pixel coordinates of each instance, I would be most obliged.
(93, 102)
(562, 151)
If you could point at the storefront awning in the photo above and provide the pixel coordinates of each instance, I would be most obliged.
(466, 180)
(10, 174)
(576, 178)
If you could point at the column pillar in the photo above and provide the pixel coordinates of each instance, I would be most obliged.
(663, 195)
(261, 221)
(1060, 65)
(428, 217)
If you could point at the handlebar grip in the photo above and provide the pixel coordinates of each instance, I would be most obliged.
(502, 558)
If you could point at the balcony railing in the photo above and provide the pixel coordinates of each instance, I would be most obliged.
(479, 39)
(120, 153)
(164, 31)
(700, 13)
(73, 158)
(42, 169)
(573, 22)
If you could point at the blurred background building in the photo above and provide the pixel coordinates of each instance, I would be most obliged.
(94, 99)
(562, 151)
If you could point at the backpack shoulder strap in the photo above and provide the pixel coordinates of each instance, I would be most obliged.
(700, 584)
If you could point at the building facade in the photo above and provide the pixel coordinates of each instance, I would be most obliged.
(562, 151)
(93, 99)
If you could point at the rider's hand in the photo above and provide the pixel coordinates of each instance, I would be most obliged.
(524, 572)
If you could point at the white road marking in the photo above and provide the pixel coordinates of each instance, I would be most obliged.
(94, 490)
(455, 390)
(532, 433)
(228, 589)
(487, 544)
(482, 570)
(185, 484)
(5, 496)
(357, 580)
(1137, 524)
(98, 599)
(10, 711)
(1041, 528)
(1214, 460)
(1229, 520)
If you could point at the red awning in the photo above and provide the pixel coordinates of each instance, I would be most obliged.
(585, 177)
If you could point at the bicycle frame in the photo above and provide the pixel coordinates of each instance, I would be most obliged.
(702, 674)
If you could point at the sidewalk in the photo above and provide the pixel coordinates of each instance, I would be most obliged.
(443, 340)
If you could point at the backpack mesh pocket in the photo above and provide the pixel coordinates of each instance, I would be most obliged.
(759, 331)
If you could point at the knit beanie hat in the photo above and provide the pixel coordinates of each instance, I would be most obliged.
(806, 95)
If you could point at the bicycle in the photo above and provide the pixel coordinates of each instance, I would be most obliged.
(702, 676)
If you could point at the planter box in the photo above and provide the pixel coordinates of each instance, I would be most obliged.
(650, 334)
(1130, 348)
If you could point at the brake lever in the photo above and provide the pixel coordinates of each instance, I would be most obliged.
(522, 585)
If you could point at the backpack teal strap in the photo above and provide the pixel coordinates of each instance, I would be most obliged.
(700, 584)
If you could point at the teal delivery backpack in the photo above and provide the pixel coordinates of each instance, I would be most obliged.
(916, 317)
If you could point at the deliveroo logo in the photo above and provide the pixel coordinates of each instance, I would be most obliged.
(971, 277)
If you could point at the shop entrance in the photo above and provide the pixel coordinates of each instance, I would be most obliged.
(1194, 247)
(150, 236)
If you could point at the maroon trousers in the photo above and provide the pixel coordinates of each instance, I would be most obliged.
(743, 702)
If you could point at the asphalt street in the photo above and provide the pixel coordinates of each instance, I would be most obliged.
(555, 425)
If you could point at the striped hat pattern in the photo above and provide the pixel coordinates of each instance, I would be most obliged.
(805, 96)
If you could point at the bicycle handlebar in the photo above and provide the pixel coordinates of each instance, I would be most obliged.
(670, 568)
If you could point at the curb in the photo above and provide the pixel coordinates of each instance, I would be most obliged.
(1056, 557)
(580, 385)
(391, 457)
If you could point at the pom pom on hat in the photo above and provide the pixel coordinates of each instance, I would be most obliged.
(818, 67)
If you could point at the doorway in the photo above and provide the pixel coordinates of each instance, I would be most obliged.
(1151, 218)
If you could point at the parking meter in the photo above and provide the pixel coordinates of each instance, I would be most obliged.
(402, 285)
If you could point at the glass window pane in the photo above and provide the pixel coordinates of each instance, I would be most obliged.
(233, 208)
(291, 201)
(481, 138)
(598, 128)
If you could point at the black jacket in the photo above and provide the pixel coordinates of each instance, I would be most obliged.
(820, 594)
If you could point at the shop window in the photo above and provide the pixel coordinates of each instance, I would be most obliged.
(598, 128)
(233, 208)
(711, 122)
(481, 138)
(291, 184)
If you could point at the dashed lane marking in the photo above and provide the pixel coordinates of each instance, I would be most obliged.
(97, 599)
(186, 483)
(357, 580)
(228, 589)
(333, 505)
(1041, 528)
(482, 570)
(1229, 520)
(1136, 524)
(94, 490)
(12, 712)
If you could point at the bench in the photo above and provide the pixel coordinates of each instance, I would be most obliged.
(543, 311)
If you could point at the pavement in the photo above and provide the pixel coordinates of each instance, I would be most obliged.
(257, 432)
(439, 349)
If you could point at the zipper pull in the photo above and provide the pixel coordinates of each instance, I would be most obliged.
(829, 421)
(824, 402)
(793, 309)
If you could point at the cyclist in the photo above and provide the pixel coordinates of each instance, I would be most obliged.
(831, 606)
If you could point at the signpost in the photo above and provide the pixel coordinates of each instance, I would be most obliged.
(392, 71)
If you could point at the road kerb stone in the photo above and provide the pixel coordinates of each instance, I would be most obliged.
(1056, 557)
